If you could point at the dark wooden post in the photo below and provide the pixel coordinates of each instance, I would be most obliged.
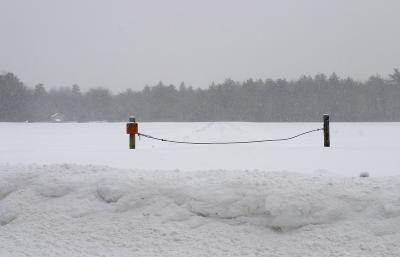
(327, 141)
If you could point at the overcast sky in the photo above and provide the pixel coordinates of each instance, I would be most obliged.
(128, 44)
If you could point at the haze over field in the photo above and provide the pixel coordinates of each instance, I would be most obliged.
(128, 44)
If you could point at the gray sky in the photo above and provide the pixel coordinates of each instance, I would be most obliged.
(128, 44)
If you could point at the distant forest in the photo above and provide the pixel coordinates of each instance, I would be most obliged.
(304, 99)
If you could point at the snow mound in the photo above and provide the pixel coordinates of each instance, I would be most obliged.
(71, 210)
(275, 210)
(5, 188)
(112, 192)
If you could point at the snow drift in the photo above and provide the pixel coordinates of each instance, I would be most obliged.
(72, 210)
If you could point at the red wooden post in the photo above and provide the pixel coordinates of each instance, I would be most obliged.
(132, 130)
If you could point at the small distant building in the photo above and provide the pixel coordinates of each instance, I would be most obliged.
(57, 117)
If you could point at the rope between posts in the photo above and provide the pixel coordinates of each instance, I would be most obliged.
(228, 143)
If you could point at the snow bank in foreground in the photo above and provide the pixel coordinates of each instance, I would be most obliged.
(69, 210)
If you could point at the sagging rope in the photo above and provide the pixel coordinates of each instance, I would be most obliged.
(228, 143)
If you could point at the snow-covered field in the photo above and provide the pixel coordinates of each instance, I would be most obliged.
(356, 147)
(76, 190)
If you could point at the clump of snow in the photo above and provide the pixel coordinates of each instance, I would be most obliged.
(112, 192)
(6, 216)
(72, 210)
(5, 188)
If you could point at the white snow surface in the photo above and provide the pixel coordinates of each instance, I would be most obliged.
(356, 147)
(293, 198)
(75, 210)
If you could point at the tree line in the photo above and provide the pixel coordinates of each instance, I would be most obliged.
(280, 100)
